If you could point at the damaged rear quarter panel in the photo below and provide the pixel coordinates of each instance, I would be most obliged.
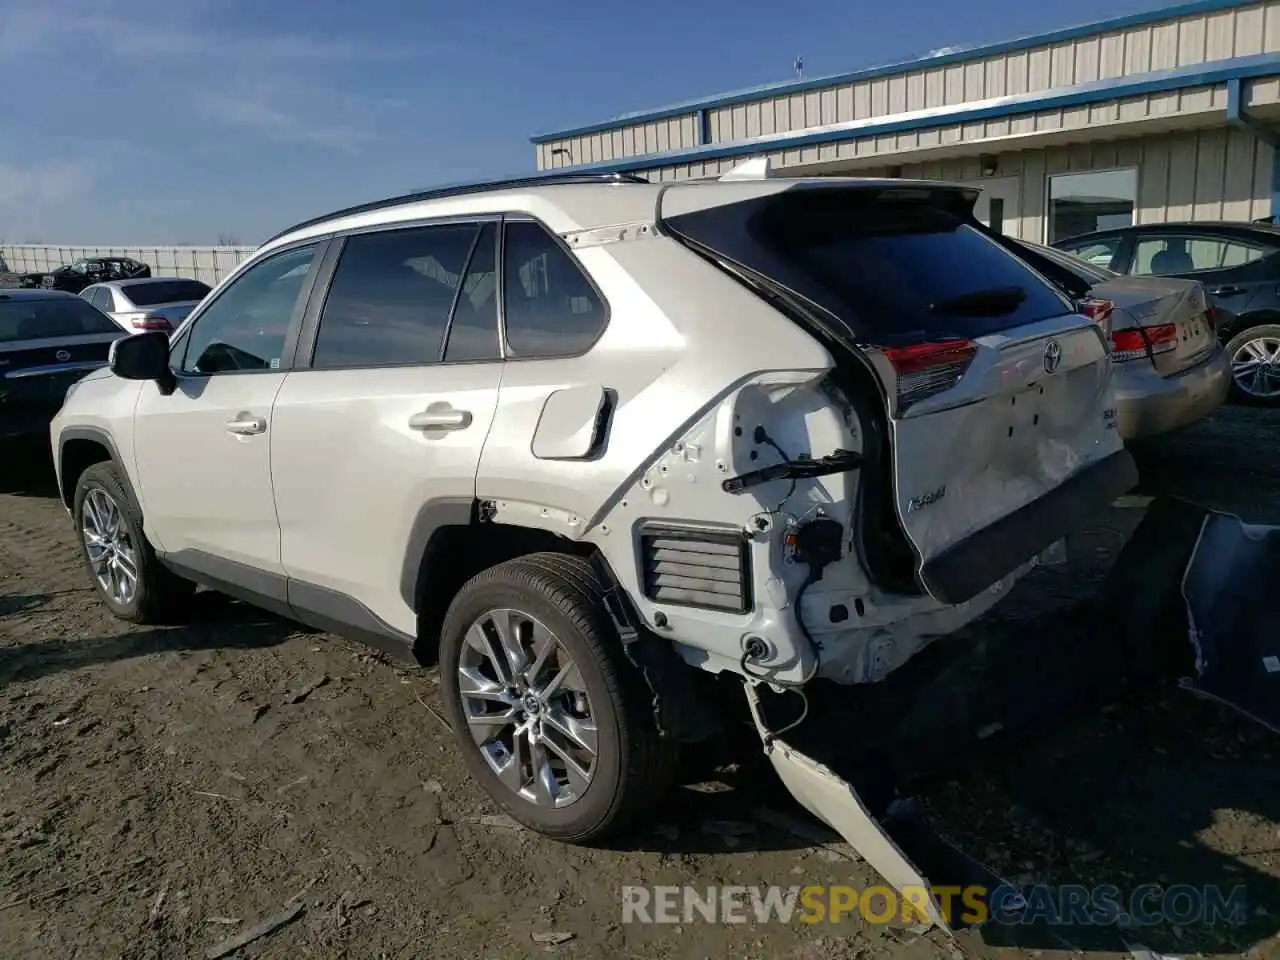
(683, 345)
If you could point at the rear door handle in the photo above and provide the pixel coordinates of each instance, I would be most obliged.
(443, 418)
(246, 426)
(1226, 291)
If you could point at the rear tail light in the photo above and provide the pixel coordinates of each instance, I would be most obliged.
(925, 369)
(152, 323)
(1143, 342)
(1099, 311)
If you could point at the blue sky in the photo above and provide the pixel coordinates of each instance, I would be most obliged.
(177, 122)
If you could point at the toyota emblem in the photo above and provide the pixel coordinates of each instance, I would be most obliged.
(63, 356)
(1052, 356)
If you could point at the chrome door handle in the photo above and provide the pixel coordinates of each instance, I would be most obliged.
(246, 426)
(445, 418)
(1226, 291)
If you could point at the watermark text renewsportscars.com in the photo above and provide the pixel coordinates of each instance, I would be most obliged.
(1105, 905)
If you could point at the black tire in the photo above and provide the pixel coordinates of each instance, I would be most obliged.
(1238, 394)
(635, 765)
(161, 596)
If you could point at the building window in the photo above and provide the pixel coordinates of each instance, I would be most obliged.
(1085, 202)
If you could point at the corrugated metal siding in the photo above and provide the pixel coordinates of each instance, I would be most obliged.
(1217, 174)
(210, 264)
(672, 133)
(1177, 43)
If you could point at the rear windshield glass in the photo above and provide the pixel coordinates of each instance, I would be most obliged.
(165, 291)
(36, 319)
(893, 265)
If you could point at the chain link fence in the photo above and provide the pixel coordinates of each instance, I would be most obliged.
(210, 264)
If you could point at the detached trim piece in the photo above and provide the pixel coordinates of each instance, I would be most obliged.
(693, 566)
(964, 570)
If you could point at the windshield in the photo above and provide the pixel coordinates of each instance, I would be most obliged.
(165, 291)
(38, 319)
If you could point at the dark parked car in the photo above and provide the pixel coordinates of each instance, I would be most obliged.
(76, 276)
(1239, 265)
(48, 341)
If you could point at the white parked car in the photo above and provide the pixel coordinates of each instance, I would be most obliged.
(147, 303)
(583, 435)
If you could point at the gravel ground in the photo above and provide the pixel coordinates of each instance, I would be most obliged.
(166, 789)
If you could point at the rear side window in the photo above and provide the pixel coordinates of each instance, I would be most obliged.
(550, 307)
(36, 319)
(165, 291)
(392, 295)
(1164, 255)
(892, 265)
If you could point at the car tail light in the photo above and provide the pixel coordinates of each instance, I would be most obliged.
(925, 369)
(152, 323)
(1099, 311)
(1143, 342)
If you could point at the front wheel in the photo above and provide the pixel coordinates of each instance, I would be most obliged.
(1255, 365)
(130, 579)
(551, 717)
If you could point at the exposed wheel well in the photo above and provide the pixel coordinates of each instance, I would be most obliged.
(455, 554)
(77, 456)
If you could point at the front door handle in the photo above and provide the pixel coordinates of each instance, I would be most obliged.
(440, 418)
(1226, 291)
(245, 425)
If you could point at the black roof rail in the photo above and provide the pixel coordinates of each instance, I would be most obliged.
(462, 189)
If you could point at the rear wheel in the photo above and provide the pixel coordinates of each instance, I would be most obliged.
(550, 715)
(130, 579)
(1255, 365)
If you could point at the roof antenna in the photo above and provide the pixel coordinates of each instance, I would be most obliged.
(798, 66)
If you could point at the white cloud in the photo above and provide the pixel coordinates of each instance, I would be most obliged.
(278, 124)
(943, 51)
(43, 186)
(29, 194)
(270, 84)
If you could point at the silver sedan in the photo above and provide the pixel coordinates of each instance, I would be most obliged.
(147, 303)
(1170, 369)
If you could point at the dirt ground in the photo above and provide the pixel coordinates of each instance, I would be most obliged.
(164, 790)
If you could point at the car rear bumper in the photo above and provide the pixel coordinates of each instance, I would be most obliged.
(964, 570)
(1148, 404)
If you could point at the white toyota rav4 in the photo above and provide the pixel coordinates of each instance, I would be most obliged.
(576, 435)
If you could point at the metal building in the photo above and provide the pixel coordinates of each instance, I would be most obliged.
(1167, 115)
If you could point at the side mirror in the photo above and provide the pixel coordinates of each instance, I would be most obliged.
(143, 356)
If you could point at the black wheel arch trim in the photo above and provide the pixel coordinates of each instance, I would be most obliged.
(103, 438)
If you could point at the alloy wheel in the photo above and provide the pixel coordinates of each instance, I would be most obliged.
(527, 709)
(1256, 367)
(110, 549)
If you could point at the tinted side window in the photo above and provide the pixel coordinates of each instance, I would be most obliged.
(473, 332)
(550, 307)
(246, 326)
(391, 296)
(1170, 255)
